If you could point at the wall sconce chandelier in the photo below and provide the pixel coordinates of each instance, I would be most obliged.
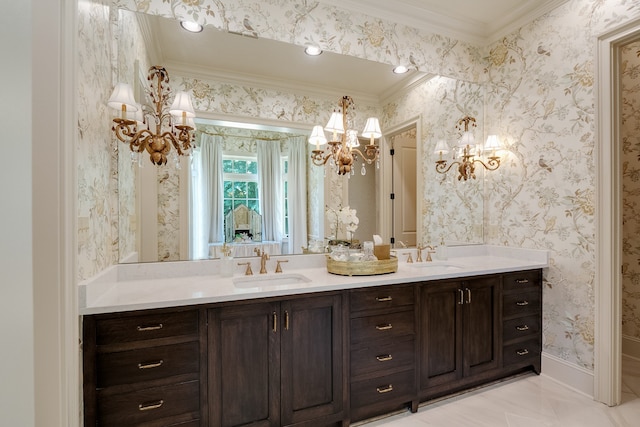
(130, 126)
(468, 152)
(343, 152)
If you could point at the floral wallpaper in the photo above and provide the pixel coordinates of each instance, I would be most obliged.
(538, 96)
(96, 167)
(630, 83)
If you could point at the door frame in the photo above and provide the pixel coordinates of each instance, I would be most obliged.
(608, 285)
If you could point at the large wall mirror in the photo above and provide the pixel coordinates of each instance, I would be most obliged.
(248, 90)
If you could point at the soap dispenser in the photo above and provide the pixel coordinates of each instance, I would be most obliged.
(226, 262)
(441, 250)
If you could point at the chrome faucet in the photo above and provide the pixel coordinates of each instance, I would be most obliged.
(264, 257)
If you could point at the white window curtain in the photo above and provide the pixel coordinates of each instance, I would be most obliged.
(270, 187)
(207, 196)
(297, 194)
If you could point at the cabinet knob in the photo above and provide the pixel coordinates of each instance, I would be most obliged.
(384, 327)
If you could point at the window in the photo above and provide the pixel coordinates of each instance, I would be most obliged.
(240, 176)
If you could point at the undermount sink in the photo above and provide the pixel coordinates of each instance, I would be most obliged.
(271, 280)
(435, 265)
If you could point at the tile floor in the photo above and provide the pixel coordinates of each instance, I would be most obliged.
(528, 401)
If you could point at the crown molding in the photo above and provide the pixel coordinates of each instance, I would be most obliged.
(257, 81)
(460, 28)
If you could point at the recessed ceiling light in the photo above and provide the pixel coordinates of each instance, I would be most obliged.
(313, 50)
(400, 69)
(191, 26)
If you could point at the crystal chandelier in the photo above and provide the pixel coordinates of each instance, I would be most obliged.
(174, 124)
(342, 152)
(468, 153)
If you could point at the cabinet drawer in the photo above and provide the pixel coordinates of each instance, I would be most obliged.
(521, 327)
(383, 357)
(521, 304)
(145, 364)
(149, 326)
(382, 297)
(381, 389)
(382, 326)
(522, 352)
(128, 409)
(520, 280)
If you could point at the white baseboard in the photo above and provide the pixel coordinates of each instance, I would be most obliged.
(575, 377)
(631, 346)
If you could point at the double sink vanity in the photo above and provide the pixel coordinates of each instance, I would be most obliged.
(176, 344)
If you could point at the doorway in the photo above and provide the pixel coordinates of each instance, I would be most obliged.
(404, 186)
(608, 292)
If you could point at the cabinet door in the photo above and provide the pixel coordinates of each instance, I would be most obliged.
(481, 320)
(312, 358)
(440, 334)
(244, 365)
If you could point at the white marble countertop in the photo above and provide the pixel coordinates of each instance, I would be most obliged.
(126, 287)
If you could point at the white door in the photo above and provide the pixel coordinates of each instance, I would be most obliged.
(404, 185)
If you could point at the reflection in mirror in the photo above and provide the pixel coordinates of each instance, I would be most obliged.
(273, 91)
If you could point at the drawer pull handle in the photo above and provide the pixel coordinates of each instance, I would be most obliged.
(461, 301)
(522, 281)
(151, 405)
(385, 389)
(384, 327)
(274, 318)
(384, 357)
(384, 299)
(522, 328)
(150, 328)
(522, 303)
(522, 352)
(150, 365)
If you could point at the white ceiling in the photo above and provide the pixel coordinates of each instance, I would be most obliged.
(267, 63)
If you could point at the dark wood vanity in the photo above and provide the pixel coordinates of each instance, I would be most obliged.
(323, 359)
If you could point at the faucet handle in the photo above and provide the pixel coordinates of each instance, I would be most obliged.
(257, 251)
(430, 250)
(248, 271)
(410, 258)
(278, 267)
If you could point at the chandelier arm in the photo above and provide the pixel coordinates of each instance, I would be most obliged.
(442, 164)
(138, 141)
(123, 129)
(141, 141)
(492, 163)
(170, 138)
